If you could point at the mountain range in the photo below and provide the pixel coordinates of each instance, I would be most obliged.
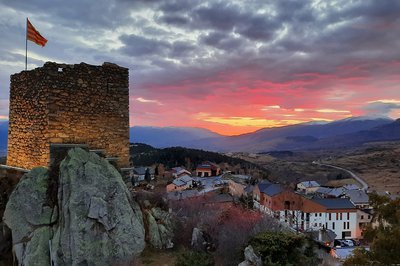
(341, 133)
(347, 132)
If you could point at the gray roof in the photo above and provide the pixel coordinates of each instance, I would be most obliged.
(177, 169)
(335, 203)
(142, 170)
(184, 194)
(351, 187)
(185, 178)
(310, 183)
(272, 190)
(244, 177)
(335, 192)
(357, 196)
(178, 182)
(263, 185)
(344, 253)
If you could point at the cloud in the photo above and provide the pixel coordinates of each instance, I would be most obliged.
(382, 107)
(143, 100)
(230, 59)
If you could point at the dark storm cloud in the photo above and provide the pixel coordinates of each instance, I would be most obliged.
(174, 19)
(141, 46)
(178, 43)
(78, 13)
(181, 49)
(221, 41)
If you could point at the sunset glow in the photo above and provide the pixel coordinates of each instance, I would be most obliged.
(231, 67)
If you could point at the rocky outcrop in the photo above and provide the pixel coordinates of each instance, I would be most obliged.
(251, 258)
(96, 221)
(5, 244)
(160, 228)
(201, 241)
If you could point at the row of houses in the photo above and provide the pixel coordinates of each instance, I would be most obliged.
(206, 169)
(346, 214)
(183, 179)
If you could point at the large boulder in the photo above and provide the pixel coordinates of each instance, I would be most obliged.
(96, 222)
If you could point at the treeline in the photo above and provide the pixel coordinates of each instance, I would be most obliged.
(145, 155)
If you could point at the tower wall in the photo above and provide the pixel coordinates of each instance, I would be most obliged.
(68, 104)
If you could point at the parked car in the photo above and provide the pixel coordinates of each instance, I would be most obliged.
(344, 243)
(349, 242)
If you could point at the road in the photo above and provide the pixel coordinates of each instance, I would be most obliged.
(353, 175)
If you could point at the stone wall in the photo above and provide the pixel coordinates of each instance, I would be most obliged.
(59, 103)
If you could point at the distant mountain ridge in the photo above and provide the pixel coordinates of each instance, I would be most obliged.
(341, 133)
(163, 137)
(349, 131)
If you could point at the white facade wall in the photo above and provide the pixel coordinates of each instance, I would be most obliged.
(337, 222)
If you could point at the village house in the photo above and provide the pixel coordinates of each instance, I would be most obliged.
(179, 171)
(239, 186)
(138, 174)
(307, 187)
(208, 169)
(358, 197)
(336, 214)
(364, 218)
(180, 183)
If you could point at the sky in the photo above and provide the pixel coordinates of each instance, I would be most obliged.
(229, 66)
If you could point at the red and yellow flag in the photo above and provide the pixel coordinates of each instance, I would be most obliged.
(33, 35)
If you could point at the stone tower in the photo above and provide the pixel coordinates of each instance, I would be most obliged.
(68, 104)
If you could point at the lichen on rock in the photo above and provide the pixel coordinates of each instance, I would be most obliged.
(97, 223)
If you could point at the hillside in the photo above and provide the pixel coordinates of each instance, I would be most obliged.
(145, 155)
(377, 163)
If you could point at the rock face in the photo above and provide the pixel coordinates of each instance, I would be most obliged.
(96, 221)
(160, 228)
(251, 257)
(198, 241)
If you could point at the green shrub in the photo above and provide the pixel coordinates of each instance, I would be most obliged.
(281, 248)
(193, 258)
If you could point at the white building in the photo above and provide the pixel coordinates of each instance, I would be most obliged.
(308, 187)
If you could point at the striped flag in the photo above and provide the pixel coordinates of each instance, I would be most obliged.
(33, 35)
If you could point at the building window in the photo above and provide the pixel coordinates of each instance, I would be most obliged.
(348, 216)
(337, 216)
(369, 216)
(330, 216)
(341, 216)
(320, 214)
(346, 234)
(333, 225)
(326, 225)
(344, 225)
(362, 217)
(348, 225)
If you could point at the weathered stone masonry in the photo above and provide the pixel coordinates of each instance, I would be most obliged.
(59, 103)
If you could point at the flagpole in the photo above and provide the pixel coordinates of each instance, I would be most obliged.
(26, 45)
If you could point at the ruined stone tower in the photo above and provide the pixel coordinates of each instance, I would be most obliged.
(68, 104)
